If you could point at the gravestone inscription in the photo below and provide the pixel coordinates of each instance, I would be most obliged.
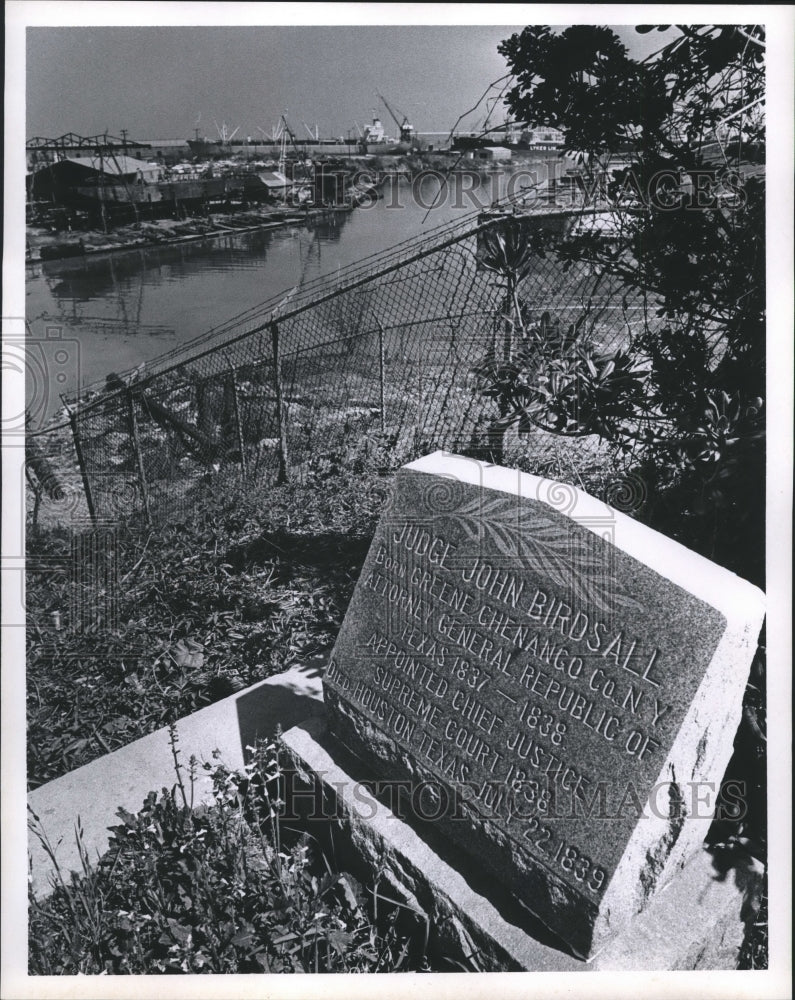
(554, 685)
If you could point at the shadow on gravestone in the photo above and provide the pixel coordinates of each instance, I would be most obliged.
(552, 684)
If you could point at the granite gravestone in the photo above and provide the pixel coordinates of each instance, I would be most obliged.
(554, 685)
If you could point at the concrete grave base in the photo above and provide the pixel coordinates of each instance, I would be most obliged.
(696, 922)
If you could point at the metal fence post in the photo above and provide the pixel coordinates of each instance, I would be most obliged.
(381, 371)
(277, 380)
(82, 464)
(204, 421)
(238, 426)
(138, 457)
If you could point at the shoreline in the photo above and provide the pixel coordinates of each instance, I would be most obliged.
(76, 249)
(43, 245)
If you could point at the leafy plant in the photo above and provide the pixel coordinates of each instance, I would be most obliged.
(682, 396)
(218, 888)
(506, 251)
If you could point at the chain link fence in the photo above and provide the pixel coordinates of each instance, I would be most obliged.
(382, 364)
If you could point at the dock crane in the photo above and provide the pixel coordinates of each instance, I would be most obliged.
(287, 132)
(224, 137)
(407, 130)
(275, 133)
(290, 134)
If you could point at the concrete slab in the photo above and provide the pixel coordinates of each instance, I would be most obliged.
(696, 922)
(124, 778)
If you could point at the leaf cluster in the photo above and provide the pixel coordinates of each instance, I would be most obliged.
(583, 81)
(681, 393)
(215, 888)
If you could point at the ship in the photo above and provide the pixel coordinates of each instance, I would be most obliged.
(542, 138)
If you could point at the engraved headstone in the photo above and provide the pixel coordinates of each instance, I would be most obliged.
(551, 683)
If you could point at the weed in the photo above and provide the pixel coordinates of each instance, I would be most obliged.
(221, 888)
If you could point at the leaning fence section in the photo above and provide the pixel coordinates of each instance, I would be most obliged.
(387, 359)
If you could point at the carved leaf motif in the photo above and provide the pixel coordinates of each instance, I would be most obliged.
(567, 560)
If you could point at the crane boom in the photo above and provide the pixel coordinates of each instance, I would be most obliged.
(405, 127)
(291, 135)
(391, 112)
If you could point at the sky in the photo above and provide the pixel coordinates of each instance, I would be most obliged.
(163, 82)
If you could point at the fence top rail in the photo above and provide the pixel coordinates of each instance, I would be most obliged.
(303, 296)
(312, 296)
(323, 287)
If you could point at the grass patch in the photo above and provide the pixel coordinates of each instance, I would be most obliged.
(133, 627)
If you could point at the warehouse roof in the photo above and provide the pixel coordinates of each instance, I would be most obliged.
(117, 164)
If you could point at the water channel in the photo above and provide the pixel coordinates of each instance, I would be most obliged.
(112, 312)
